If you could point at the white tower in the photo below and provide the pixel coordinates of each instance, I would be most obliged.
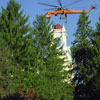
(60, 31)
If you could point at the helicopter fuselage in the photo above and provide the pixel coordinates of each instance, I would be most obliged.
(66, 11)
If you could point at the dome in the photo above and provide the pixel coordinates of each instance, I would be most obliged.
(57, 26)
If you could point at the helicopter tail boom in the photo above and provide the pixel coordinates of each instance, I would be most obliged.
(93, 7)
(77, 11)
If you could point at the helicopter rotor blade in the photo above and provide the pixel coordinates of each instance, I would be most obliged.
(59, 1)
(47, 4)
(50, 9)
(95, 3)
(74, 2)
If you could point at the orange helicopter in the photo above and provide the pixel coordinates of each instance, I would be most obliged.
(62, 10)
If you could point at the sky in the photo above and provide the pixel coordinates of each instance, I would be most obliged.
(32, 8)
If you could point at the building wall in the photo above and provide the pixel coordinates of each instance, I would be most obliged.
(62, 33)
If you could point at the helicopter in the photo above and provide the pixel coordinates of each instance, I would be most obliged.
(62, 10)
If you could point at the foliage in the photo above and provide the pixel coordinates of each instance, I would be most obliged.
(30, 59)
(49, 64)
(14, 36)
(14, 29)
(6, 68)
(94, 84)
(84, 57)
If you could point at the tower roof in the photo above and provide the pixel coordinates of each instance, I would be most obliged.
(57, 26)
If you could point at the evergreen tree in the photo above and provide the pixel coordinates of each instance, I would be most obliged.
(83, 56)
(15, 34)
(43, 76)
(14, 29)
(49, 63)
(34, 59)
(6, 65)
(94, 84)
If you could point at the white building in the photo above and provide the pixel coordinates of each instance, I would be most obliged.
(60, 31)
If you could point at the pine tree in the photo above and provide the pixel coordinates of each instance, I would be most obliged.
(94, 84)
(38, 68)
(43, 76)
(83, 56)
(14, 31)
(7, 81)
(49, 63)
